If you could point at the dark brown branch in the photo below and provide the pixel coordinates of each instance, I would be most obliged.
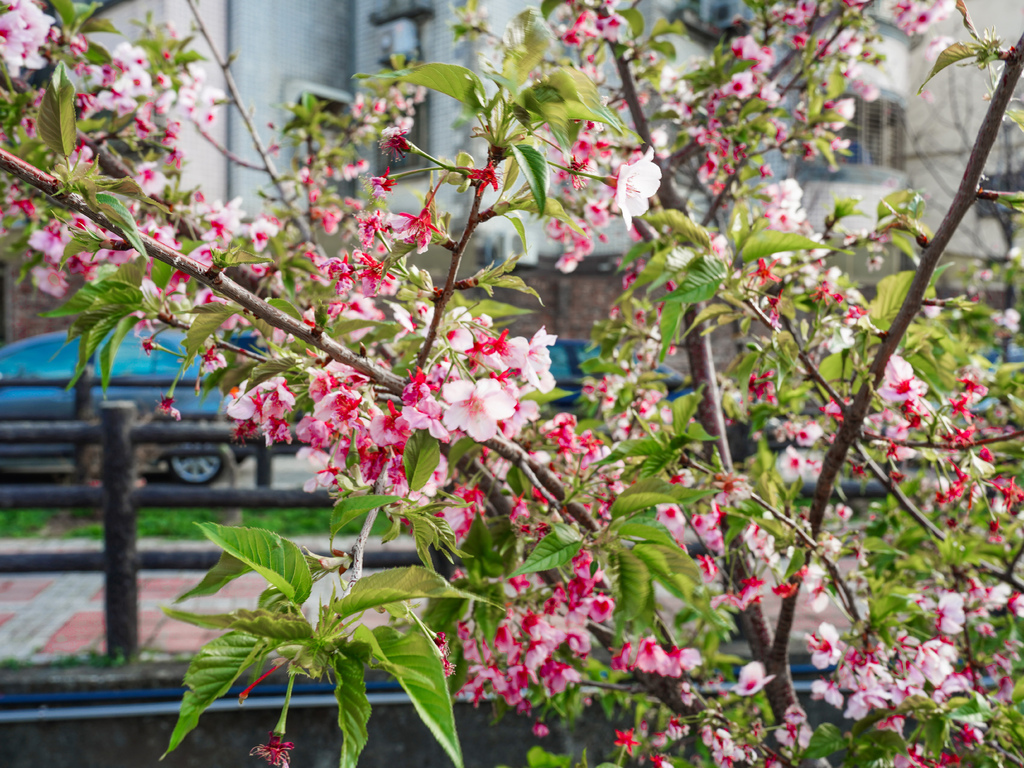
(966, 194)
(219, 282)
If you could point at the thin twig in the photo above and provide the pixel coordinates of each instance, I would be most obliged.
(359, 548)
(229, 154)
(287, 198)
(944, 446)
(449, 285)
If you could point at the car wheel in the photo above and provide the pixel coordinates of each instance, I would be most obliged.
(196, 470)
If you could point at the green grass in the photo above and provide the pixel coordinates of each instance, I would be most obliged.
(170, 523)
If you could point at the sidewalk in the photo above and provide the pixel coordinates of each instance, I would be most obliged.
(48, 616)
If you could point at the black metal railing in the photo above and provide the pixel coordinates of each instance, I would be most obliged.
(120, 497)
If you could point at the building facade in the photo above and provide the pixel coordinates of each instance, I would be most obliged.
(287, 47)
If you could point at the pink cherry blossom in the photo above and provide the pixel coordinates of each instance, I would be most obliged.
(477, 407)
(950, 613)
(415, 230)
(900, 385)
(825, 645)
(752, 679)
(636, 183)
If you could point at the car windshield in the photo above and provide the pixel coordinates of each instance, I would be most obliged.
(51, 359)
(561, 362)
(46, 359)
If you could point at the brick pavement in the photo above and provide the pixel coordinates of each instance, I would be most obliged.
(46, 617)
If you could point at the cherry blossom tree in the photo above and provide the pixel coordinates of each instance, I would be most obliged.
(604, 559)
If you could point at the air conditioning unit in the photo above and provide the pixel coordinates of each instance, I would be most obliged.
(502, 245)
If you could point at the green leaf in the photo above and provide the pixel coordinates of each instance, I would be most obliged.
(287, 627)
(549, 6)
(768, 242)
(426, 687)
(66, 10)
(1017, 696)
(635, 19)
(652, 490)
(681, 224)
(204, 620)
(458, 82)
(421, 457)
(109, 351)
(279, 561)
(351, 507)
(161, 273)
(557, 548)
(213, 670)
(534, 167)
(228, 568)
(122, 217)
(892, 290)
(233, 257)
(526, 41)
(683, 409)
(703, 276)
(671, 565)
(1017, 115)
(208, 318)
(826, 740)
(95, 25)
(56, 121)
(647, 530)
(287, 307)
(353, 708)
(956, 52)
(977, 711)
(668, 325)
(633, 583)
(395, 585)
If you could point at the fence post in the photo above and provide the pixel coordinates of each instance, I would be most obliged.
(119, 529)
(83, 412)
(264, 466)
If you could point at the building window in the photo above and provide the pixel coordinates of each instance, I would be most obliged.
(877, 135)
(399, 38)
(390, 10)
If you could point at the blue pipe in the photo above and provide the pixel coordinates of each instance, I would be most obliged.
(134, 694)
(43, 699)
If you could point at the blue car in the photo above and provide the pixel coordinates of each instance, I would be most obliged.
(568, 357)
(136, 376)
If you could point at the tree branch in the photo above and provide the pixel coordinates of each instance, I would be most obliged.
(854, 418)
(218, 281)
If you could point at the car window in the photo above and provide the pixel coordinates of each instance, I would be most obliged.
(43, 360)
(561, 362)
